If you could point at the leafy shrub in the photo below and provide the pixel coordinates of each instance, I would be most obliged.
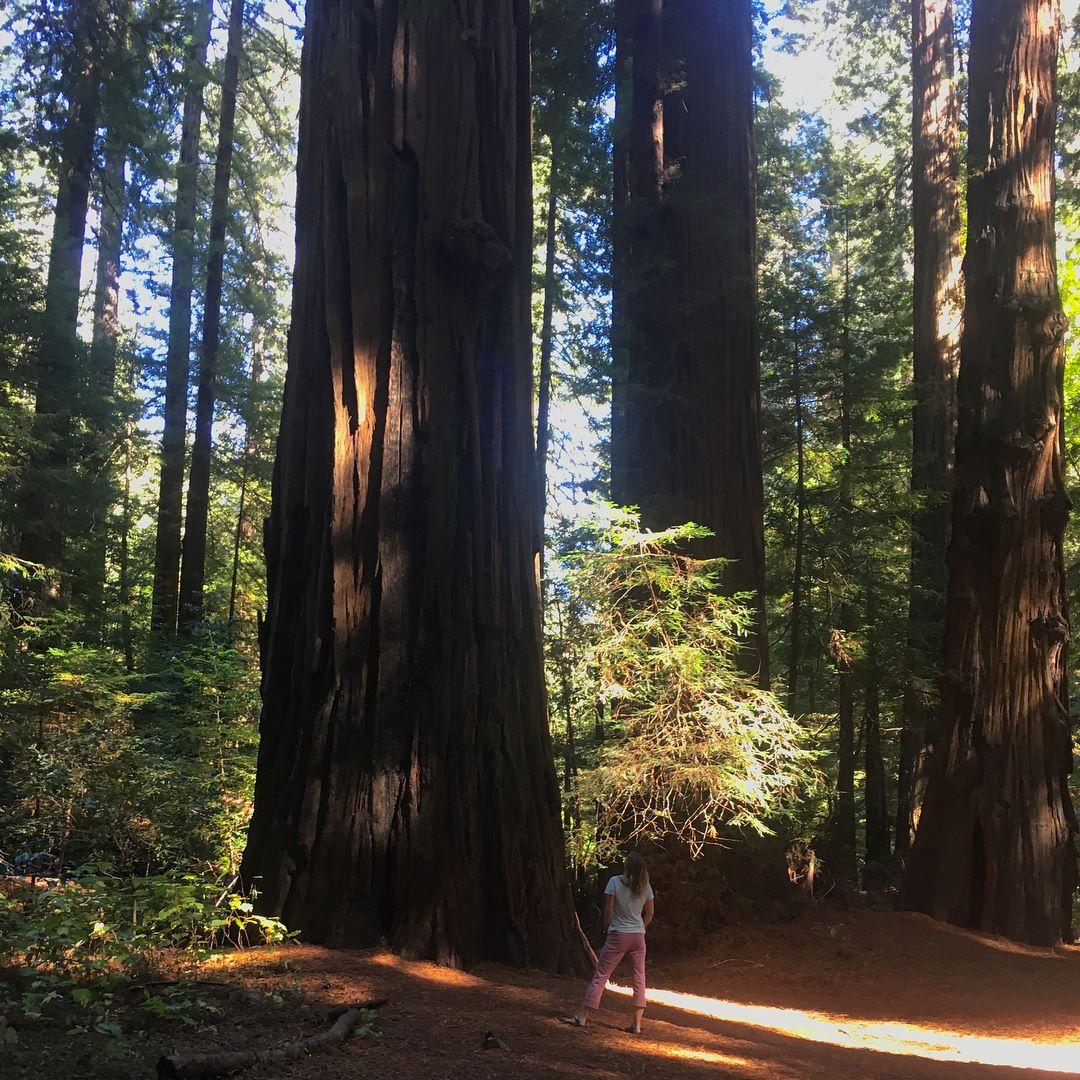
(695, 750)
(138, 772)
(97, 923)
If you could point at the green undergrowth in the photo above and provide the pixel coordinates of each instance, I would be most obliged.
(99, 944)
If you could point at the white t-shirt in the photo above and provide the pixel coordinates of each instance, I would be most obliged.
(628, 907)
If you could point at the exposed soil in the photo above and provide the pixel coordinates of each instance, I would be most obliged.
(834, 994)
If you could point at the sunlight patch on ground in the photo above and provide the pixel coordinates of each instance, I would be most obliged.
(885, 1036)
(990, 941)
(446, 976)
(693, 1053)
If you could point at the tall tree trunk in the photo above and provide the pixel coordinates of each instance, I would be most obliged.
(126, 525)
(568, 716)
(106, 325)
(937, 310)
(691, 404)
(543, 397)
(165, 603)
(251, 438)
(994, 848)
(49, 490)
(845, 822)
(406, 786)
(844, 838)
(638, 254)
(103, 353)
(193, 571)
(795, 634)
(878, 848)
(620, 247)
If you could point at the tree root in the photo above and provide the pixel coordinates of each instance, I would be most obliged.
(229, 1061)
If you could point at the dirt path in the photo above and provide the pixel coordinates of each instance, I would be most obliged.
(864, 994)
(845, 996)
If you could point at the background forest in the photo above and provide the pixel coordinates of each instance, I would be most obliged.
(147, 154)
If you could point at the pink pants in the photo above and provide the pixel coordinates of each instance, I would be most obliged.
(616, 946)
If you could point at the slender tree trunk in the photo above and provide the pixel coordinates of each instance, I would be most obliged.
(173, 436)
(691, 419)
(193, 571)
(406, 787)
(543, 408)
(795, 634)
(844, 838)
(937, 310)
(817, 655)
(124, 569)
(250, 439)
(994, 848)
(103, 352)
(50, 491)
(620, 248)
(878, 848)
(106, 326)
(568, 716)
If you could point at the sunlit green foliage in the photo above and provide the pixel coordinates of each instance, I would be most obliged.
(694, 750)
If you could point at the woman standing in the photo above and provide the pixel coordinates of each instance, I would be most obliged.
(628, 910)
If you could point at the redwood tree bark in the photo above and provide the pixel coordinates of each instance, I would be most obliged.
(691, 423)
(193, 569)
(994, 848)
(406, 786)
(48, 488)
(165, 604)
(638, 254)
(937, 311)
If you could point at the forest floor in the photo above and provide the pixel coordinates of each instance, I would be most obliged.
(830, 993)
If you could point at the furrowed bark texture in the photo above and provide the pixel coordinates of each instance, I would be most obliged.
(690, 406)
(406, 788)
(994, 848)
(937, 317)
(196, 519)
(165, 604)
(48, 489)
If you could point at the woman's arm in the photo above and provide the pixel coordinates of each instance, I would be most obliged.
(647, 912)
(609, 910)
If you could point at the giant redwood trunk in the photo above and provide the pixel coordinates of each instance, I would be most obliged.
(197, 517)
(406, 788)
(936, 310)
(48, 488)
(690, 420)
(165, 604)
(994, 847)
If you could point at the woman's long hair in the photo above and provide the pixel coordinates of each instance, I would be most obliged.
(635, 875)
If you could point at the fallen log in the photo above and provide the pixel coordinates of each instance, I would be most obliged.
(221, 1063)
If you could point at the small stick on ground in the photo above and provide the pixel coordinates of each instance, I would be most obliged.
(222, 1063)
